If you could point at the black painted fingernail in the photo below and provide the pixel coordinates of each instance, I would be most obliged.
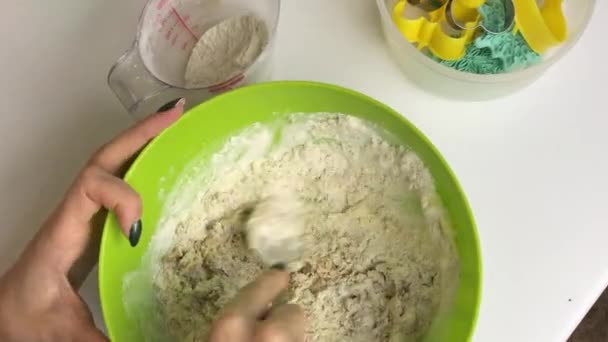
(135, 233)
(279, 266)
(169, 105)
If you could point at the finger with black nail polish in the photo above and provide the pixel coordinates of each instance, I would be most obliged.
(135, 233)
(169, 105)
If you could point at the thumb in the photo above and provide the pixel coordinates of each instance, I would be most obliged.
(113, 155)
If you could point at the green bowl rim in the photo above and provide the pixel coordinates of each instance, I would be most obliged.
(184, 119)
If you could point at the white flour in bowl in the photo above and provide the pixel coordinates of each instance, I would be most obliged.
(379, 261)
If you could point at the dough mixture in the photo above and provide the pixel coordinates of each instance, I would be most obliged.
(379, 261)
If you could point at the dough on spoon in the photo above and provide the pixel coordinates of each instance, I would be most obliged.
(275, 228)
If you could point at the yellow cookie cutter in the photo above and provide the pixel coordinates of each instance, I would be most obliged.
(428, 32)
(542, 28)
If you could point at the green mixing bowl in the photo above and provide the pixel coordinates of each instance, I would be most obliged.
(209, 124)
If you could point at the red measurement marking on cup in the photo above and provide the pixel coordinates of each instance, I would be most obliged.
(183, 23)
(161, 4)
(225, 86)
(163, 21)
(172, 27)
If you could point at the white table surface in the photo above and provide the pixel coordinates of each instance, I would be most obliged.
(533, 165)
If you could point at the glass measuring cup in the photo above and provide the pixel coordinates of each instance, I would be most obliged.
(151, 72)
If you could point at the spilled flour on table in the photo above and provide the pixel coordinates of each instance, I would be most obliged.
(379, 261)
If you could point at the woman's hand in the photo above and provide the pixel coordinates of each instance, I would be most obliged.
(251, 318)
(39, 298)
(38, 295)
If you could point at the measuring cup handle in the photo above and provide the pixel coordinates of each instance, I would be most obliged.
(131, 81)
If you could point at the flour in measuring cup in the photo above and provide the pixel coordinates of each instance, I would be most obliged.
(226, 50)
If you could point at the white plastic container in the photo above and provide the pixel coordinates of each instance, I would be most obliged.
(445, 81)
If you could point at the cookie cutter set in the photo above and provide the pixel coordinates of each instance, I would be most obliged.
(446, 27)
